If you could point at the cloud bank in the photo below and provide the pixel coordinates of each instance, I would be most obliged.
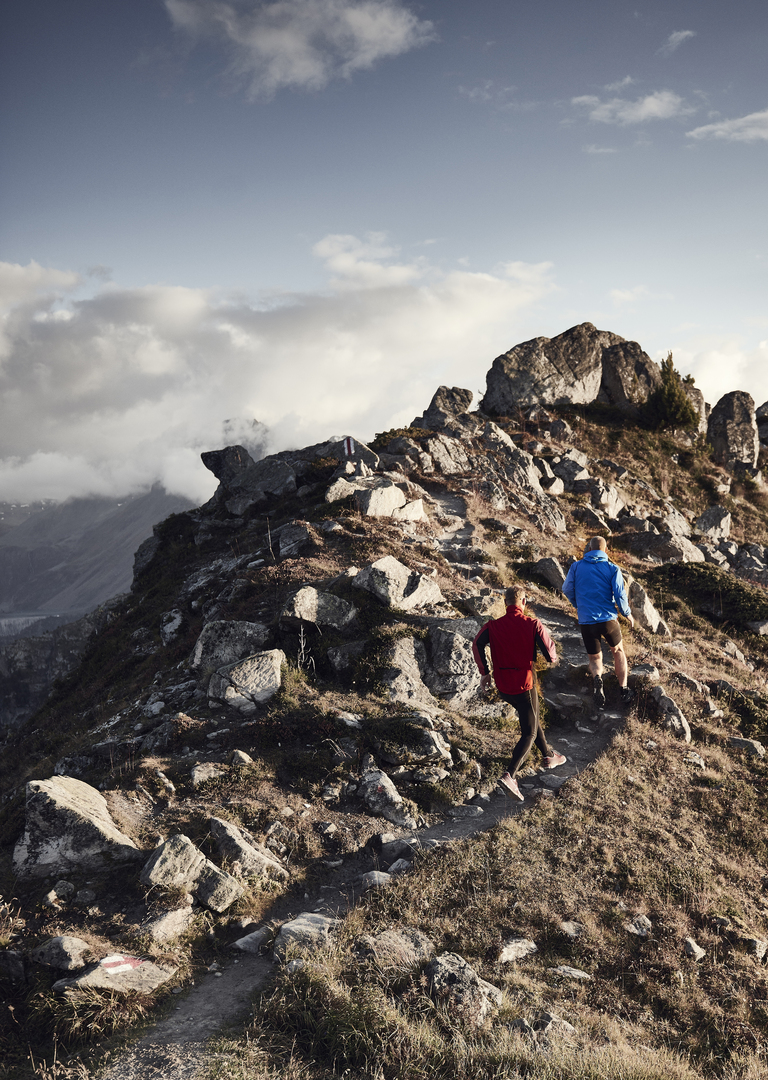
(109, 394)
(301, 44)
(751, 128)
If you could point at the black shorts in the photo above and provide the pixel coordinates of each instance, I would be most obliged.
(592, 632)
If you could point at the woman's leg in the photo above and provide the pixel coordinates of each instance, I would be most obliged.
(527, 706)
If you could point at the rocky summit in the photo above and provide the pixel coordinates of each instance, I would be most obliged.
(268, 765)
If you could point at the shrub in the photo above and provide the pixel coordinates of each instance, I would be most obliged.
(669, 406)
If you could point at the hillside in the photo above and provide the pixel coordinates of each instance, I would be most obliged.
(274, 750)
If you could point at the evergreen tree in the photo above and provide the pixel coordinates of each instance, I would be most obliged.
(669, 406)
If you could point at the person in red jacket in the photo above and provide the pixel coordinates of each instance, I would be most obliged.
(514, 639)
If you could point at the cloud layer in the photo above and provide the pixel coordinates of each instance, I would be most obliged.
(111, 393)
(751, 128)
(675, 40)
(301, 44)
(661, 105)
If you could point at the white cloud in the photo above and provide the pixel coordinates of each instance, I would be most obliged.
(674, 41)
(661, 105)
(620, 85)
(629, 296)
(751, 128)
(721, 365)
(593, 149)
(132, 384)
(302, 44)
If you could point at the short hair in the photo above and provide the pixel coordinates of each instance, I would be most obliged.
(515, 596)
(598, 543)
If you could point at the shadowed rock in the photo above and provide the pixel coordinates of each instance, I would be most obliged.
(732, 431)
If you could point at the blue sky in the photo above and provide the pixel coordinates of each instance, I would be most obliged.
(312, 212)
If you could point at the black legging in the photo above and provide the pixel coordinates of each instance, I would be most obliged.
(527, 705)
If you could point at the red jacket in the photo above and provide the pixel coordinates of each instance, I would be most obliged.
(514, 639)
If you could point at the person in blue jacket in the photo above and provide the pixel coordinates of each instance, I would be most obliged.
(595, 587)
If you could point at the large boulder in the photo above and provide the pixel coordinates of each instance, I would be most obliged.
(246, 858)
(629, 376)
(380, 500)
(714, 523)
(225, 642)
(560, 370)
(448, 403)
(245, 684)
(448, 455)
(404, 671)
(452, 671)
(644, 612)
(246, 483)
(700, 407)
(178, 863)
(665, 547)
(319, 608)
(761, 415)
(732, 431)
(68, 827)
(381, 797)
(396, 586)
(121, 974)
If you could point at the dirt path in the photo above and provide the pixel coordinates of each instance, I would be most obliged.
(176, 1048)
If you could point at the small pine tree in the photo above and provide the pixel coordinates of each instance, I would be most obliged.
(669, 406)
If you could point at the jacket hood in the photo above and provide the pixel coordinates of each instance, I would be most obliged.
(595, 556)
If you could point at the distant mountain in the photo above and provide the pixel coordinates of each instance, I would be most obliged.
(67, 558)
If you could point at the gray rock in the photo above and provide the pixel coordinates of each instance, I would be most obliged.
(375, 879)
(319, 608)
(12, 966)
(64, 953)
(396, 586)
(452, 671)
(448, 455)
(247, 859)
(208, 770)
(381, 797)
(571, 928)
(170, 625)
(693, 950)
(68, 826)
(517, 949)
(568, 972)
(397, 949)
(381, 500)
(552, 572)
(567, 368)
(294, 539)
(307, 933)
(464, 811)
(447, 404)
(245, 684)
(644, 612)
(640, 926)
(752, 746)
(714, 523)
(672, 717)
(169, 925)
(225, 642)
(120, 973)
(629, 376)
(760, 627)
(340, 489)
(457, 987)
(342, 657)
(253, 942)
(177, 862)
(570, 472)
(405, 671)
(666, 547)
(732, 431)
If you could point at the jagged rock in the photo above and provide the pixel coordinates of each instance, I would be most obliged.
(306, 933)
(405, 671)
(672, 716)
(665, 546)
(552, 572)
(293, 539)
(516, 949)
(65, 953)
(253, 942)
(446, 403)
(448, 455)
(714, 523)
(604, 497)
(570, 471)
(169, 925)
(396, 586)
(381, 500)
(397, 949)
(412, 511)
(672, 522)
(452, 671)
(456, 986)
(640, 926)
(759, 627)
(752, 746)
(320, 608)
(246, 483)
(629, 376)
(594, 521)
(692, 949)
(700, 406)
(382, 797)
(68, 826)
(177, 862)
(340, 489)
(121, 974)
(247, 859)
(566, 368)
(519, 465)
(225, 642)
(342, 657)
(243, 685)
(170, 625)
(414, 745)
(208, 770)
(645, 613)
(732, 431)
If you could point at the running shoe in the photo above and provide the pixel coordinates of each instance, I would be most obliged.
(599, 692)
(627, 695)
(509, 784)
(553, 761)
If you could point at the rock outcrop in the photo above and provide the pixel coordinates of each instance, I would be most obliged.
(732, 431)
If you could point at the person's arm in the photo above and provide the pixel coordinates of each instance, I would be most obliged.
(569, 585)
(620, 597)
(479, 645)
(544, 643)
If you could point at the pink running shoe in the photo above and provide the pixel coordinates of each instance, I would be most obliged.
(510, 787)
(553, 761)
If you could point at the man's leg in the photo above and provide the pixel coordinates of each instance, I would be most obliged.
(596, 664)
(620, 663)
(525, 704)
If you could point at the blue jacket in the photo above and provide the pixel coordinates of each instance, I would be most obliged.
(595, 587)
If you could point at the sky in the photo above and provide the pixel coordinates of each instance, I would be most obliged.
(308, 214)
